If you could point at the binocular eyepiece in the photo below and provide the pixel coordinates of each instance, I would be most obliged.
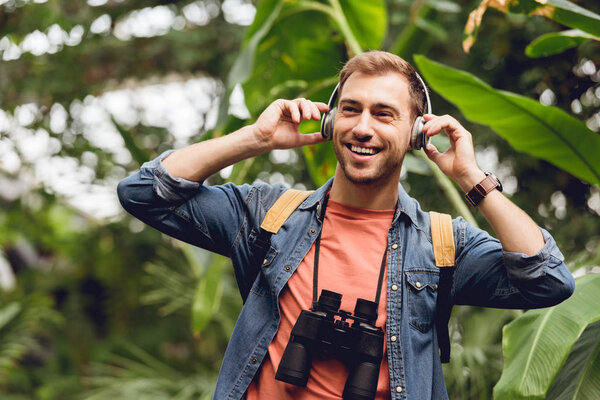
(326, 330)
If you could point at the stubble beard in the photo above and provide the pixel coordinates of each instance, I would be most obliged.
(381, 174)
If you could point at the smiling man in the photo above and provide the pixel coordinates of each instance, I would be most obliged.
(368, 237)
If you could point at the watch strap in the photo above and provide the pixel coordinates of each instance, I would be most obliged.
(480, 190)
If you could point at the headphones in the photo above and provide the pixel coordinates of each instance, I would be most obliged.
(418, 138)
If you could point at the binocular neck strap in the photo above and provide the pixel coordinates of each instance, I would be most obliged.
(316, 264)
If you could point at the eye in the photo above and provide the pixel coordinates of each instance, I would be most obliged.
(384, 115)
(349, 109)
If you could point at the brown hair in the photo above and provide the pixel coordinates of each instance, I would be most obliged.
(379, 63)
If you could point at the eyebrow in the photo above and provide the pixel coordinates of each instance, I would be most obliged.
(376, 105)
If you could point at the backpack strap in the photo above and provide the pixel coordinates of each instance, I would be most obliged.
(274, 219)
(442, 237)
(283, 208)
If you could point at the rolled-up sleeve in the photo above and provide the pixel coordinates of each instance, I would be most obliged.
(205, 216)
(170, 190)
(486, 275)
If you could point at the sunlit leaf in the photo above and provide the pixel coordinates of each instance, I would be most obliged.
(537, 344)
(8, 313)
(557, 42)
(207, 297)
(367, 20)
(542, 131)
(579, 378)
(562, 11)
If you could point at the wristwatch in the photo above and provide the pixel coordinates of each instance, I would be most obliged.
(479, 191)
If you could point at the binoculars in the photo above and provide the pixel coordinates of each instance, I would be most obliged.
(327, 331)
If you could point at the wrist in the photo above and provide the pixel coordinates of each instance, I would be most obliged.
(260, 142)
(471, 179)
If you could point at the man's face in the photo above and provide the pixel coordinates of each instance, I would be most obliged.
(372, 127)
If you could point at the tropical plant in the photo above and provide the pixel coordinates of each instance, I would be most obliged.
(124, 294)
(558, 344)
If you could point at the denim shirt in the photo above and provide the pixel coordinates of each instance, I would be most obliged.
(225, 219)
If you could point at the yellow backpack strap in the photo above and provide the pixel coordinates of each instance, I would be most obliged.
(442, 237)
(283, 208)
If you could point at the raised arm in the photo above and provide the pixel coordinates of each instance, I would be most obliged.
(515, 229)
(276, 128)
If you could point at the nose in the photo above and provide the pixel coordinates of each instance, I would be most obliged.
(363, 129)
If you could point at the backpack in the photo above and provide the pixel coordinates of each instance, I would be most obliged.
(442, 237)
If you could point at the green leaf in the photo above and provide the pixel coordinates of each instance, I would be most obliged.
(557, 42)
(562, 11)
(367, 20)
(542, 131)
(300, 46)
(579, 378)
(568, 14)
(537, 344)
(8, 313)
(207, 298)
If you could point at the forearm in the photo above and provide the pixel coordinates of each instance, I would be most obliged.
(514, 228)
(201, 160)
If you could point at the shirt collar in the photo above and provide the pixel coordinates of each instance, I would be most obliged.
(405, 205)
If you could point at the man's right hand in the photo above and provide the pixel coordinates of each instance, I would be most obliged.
(277, 126)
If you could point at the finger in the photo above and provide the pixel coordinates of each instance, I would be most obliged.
(305, 109)
(316, 115)
(323, 107)
(431, 151)
(294, 111)
(429, 117)
(311, 138)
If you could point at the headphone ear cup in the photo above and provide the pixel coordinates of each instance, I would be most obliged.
(418, 138)
(327, 124)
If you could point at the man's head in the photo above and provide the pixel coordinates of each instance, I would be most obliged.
(373, 123)
(379, 63)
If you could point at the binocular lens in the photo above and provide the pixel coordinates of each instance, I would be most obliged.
(366, 309)
(362, 382)
(329, 301)
(295, 365)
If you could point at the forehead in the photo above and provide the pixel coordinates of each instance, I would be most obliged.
(389, 88)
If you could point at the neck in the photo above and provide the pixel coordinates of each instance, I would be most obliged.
(375, 196)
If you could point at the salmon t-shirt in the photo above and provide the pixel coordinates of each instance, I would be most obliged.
(353, 242)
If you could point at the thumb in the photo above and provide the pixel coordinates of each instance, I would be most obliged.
(432, 152)
(311, 138)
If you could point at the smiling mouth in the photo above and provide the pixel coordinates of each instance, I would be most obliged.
(363, 151)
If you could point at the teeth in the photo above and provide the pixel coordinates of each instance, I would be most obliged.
(361, 150)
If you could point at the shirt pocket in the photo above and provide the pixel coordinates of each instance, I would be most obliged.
(422, 295)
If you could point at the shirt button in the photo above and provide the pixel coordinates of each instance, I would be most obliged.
(254, 360)
(312, 231)
(394, 287)
(287, 267)
(265, 261)
(418, 284)
(394, 246)
(399, 389)
(393, 338)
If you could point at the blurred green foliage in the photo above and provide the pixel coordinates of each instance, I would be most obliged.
(108, 308)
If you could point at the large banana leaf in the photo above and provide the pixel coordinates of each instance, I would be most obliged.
(579, 378)
(545, 132)
(557, 42)
(561, 11)
(537, 344)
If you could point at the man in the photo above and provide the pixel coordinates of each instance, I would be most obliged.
(366, 212)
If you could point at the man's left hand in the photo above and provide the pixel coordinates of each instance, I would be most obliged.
(458, 161)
